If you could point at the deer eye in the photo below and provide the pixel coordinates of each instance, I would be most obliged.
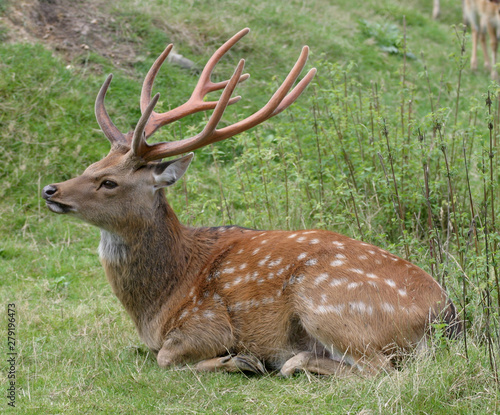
(109, 184)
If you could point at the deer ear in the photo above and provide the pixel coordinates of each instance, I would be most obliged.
(168, 172)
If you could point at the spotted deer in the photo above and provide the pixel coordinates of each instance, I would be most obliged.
(230, 298)
(483, 16)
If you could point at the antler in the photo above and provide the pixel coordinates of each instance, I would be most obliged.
(150, 121)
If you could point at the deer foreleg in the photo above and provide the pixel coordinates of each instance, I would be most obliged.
(238, 363)
(192, 343)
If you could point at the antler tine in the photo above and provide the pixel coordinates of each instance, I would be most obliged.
(195, 103)
(147, 85)
(138, 140)
(278, 102)
(108, 128)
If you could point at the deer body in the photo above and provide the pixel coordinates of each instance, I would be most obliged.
(232, 298)
(483, 17)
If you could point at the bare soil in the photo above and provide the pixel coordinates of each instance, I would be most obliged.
(69, 27)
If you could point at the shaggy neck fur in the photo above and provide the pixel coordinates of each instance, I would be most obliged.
(150, 266)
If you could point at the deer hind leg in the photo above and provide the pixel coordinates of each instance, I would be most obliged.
(436, 10)
(311, 362)
(492, 33)
(473, 58)
(483, 27)
(238, 363)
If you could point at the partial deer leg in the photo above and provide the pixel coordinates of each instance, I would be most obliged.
(494, 47)
(482, 38)
(473, 58)
(238, 363)
(310, 362)
(192, 343)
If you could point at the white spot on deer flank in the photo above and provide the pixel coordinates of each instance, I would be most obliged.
(275, 262)
(353, 285)
(360, 307)
(228, 270)
(327, 309)
(340, 256)
(308, 232)
(338, 244)
(301, 239)
(240, 251)
(312, 261)
(293, 235)
(302, 256)
(390, 283)
(402, 293)
(337, 282)
(362, 257)
(263, 261)
(337, 263)
(209, 314)
(242, 266)
(263, 241)
(388, 308)
(371, 252)
(320, 278)
(314, 241)
(357, 271)
(183, 315)
(256, 251)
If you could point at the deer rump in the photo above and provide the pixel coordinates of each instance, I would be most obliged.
(237, 299)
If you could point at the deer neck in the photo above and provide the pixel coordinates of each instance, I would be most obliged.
(151, 265)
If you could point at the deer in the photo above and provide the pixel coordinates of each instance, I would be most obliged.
(483, 16)
(228, 298)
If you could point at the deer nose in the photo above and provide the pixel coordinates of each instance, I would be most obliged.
(49, 191)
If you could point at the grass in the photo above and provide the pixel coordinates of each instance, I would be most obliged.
(392, 151)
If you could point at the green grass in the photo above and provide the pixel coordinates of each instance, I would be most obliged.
(325, 162)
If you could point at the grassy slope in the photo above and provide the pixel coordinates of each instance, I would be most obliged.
(78, 351)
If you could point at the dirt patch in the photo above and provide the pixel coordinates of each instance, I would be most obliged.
(69, 27)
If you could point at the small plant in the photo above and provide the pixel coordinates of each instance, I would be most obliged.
(387, 36)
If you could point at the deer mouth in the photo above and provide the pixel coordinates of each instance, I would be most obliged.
(57, 207)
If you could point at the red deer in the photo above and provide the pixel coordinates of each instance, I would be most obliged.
(483, 16)
(231, 298)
